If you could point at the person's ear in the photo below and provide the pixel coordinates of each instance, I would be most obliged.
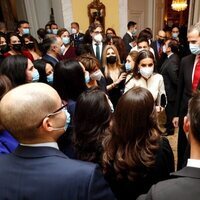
(186, 126)
(47, 124)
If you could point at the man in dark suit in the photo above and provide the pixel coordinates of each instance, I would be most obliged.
(188, 77)
(157, 46)
(76, 37)
(34, 114)
(130, 36)
(53, 47)
(169, 71)
(185, 183)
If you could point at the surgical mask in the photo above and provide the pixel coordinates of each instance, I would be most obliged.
(174, 35)
(26, 31)
(111, 59)
(146, 72)
(98, 38)
(134, 32)
(50, 78)
(17, 47)
(164, 49)
(66, 40)
(49, 31)
(74, 31)
(128, 67)
(35, 76)
(62, 49)
(96, 75)
(55, 31)
(67, 122)
(87, 77)
(30, 45)
(194, 48)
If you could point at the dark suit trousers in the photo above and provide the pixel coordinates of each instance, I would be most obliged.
(170, 114)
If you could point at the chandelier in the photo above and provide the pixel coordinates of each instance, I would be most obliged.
(179, 5)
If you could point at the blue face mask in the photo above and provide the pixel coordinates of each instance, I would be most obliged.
(194, 48)
(128, 67)
(68, 119)
(26, 31)
(35, 76)
(67, 122)
(55, 31)
(174, 35)
(50, 78)
(66, 40)
(48, 30)
(87, 77)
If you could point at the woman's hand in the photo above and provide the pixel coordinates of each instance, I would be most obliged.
(121, 78)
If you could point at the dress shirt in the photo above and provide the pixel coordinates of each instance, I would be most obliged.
(193, 163)
(195, 63)
(100, 47)
(46, 144)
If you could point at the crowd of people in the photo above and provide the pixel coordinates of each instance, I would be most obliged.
(79, 112)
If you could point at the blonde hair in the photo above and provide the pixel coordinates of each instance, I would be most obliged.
(105, 64)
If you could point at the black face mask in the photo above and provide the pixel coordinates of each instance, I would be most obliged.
(17, 47)
(4, 48)
(161, 41)
(111, 59)
(30, 45)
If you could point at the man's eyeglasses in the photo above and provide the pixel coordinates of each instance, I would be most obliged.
(58, 110)
(53, 113)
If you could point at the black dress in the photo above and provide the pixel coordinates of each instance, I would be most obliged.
(126, 189)
(115, 93)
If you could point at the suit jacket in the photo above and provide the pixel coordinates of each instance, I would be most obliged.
(76, 41)
(184, 186)
(49, 59)
(159, 59)
(169, 71)
(127, 39)
(184, 92)
(91, 50)
(46, 173)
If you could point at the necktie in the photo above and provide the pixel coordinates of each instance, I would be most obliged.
(160, 50)
(97, 52)
(76, 37)
(196, 77)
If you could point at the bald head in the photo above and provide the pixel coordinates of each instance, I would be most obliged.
(23, 108)
(161, 34)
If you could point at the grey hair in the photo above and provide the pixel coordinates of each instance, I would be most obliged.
(195, 27)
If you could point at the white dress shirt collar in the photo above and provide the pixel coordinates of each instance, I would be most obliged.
(193, 163)
(46, 144)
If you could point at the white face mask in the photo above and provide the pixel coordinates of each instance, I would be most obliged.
(98, 38)
(194, 48)
(96, 75)
(146, 72)
(62, 49)
(74, 31)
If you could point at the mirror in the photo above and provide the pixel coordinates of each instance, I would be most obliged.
(96, 12)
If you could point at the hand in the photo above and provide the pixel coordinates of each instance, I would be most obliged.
(175, 121)
(121, 77)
